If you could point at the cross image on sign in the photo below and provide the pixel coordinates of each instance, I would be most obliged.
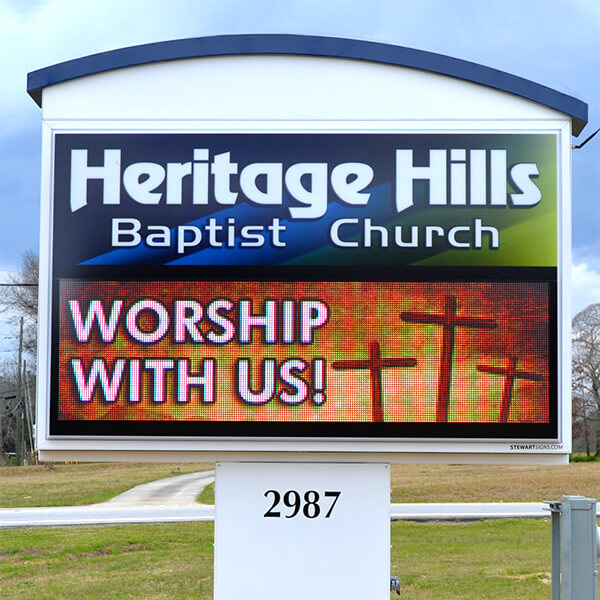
(510, 374)
(375, 364)
(449, 321)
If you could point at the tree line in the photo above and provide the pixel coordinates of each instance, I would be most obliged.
(19, 309)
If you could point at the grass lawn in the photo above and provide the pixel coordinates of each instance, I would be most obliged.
(72, 484)
(143, 561)
(503, 560)
(495, 560)
(493, 483)
(484, 483)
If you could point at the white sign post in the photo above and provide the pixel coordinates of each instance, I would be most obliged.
(302, 531)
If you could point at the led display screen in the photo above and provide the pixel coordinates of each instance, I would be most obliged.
(371, 357)
(377, 286)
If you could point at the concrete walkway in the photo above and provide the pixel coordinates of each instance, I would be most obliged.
(169, 500)
(181, 490)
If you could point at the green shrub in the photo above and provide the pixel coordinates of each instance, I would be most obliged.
(583, 458)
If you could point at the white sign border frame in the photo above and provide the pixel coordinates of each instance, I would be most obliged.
(389, 450)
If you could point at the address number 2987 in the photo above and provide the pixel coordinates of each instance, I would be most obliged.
(293, 503)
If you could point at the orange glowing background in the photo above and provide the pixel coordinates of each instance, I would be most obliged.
(359, 313)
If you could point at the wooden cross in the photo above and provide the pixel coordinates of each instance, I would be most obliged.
(449, 321)
(510, 374)
(375, 364)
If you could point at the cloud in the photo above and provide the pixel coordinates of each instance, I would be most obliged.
(545, 43)
(585, 287)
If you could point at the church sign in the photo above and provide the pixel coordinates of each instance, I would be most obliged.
(365, 286)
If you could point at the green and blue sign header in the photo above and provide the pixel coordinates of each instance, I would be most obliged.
(175, 199)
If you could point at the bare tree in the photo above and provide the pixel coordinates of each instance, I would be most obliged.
(583, 413)
(20, 298)
(586, 374)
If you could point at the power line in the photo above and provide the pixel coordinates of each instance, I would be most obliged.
(18, 284)
(585, 141)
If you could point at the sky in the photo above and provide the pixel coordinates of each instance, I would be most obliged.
(553, 42)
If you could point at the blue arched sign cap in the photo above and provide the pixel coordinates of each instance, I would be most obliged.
(331, 47)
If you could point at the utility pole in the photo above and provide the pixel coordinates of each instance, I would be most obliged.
(19, 411)
(3, 400)
(28, 412)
